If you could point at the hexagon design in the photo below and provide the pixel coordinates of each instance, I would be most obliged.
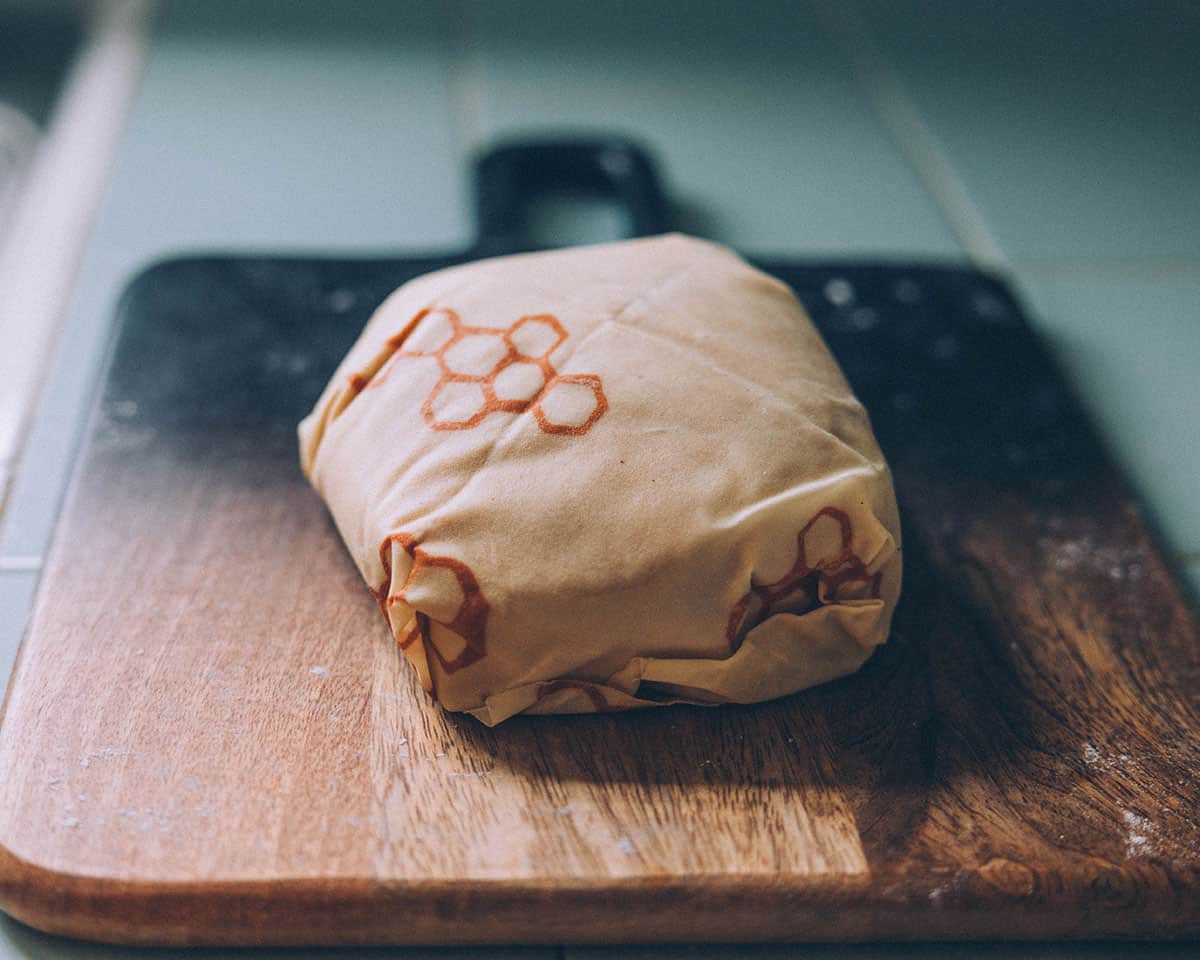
(474, 354)
(536, 336)
(486, 370)
(451, 610)
(434, 590)
(521, 381)
(826, 571)
(571, 404)
(823, 540)
(431, 332)
(588, 694)
(455, 405)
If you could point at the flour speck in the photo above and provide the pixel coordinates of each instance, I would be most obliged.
(1139, 841)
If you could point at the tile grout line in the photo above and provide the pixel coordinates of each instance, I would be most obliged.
(898, 113)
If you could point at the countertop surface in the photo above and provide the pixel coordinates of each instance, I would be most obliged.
(1057, 144)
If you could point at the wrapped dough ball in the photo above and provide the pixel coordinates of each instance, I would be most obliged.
(608, 477)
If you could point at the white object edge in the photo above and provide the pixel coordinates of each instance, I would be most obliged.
(48, 228)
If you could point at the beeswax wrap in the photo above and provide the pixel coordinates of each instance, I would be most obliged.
(608, 477)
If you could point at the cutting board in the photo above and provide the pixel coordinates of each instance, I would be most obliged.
(210, 736)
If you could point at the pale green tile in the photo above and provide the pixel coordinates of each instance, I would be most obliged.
(258, 125)
(1131, 349)
(16, 597)
(761, 128)
(1073, 125)
(286, 125)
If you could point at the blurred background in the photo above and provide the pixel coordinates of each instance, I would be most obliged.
(1057, 144)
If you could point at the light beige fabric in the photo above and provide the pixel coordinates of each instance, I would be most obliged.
(608, 477)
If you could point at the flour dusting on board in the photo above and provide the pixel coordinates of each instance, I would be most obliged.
(1140, 837)
(1084, 554)
(1099, 760)
(103, 753)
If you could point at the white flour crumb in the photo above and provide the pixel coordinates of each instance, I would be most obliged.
(1091, 756)
(1141, 831)
(1069, 554)
(1084, 553)
(319, 671)
(70, 822)
(439, 754)
(402, 741)
(110, 752)
(103, 753)
(565, 811)
(626, 846)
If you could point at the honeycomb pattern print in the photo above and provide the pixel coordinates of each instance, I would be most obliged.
(826, 570)
(449, 593)
(487, 370)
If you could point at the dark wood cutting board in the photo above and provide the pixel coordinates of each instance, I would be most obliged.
(210, 737)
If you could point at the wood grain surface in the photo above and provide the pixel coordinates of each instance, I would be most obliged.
(211, 738)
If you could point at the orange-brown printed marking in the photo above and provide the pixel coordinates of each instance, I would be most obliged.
(803, 587)
(599, 703)
(520, 378)
(469, 621)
